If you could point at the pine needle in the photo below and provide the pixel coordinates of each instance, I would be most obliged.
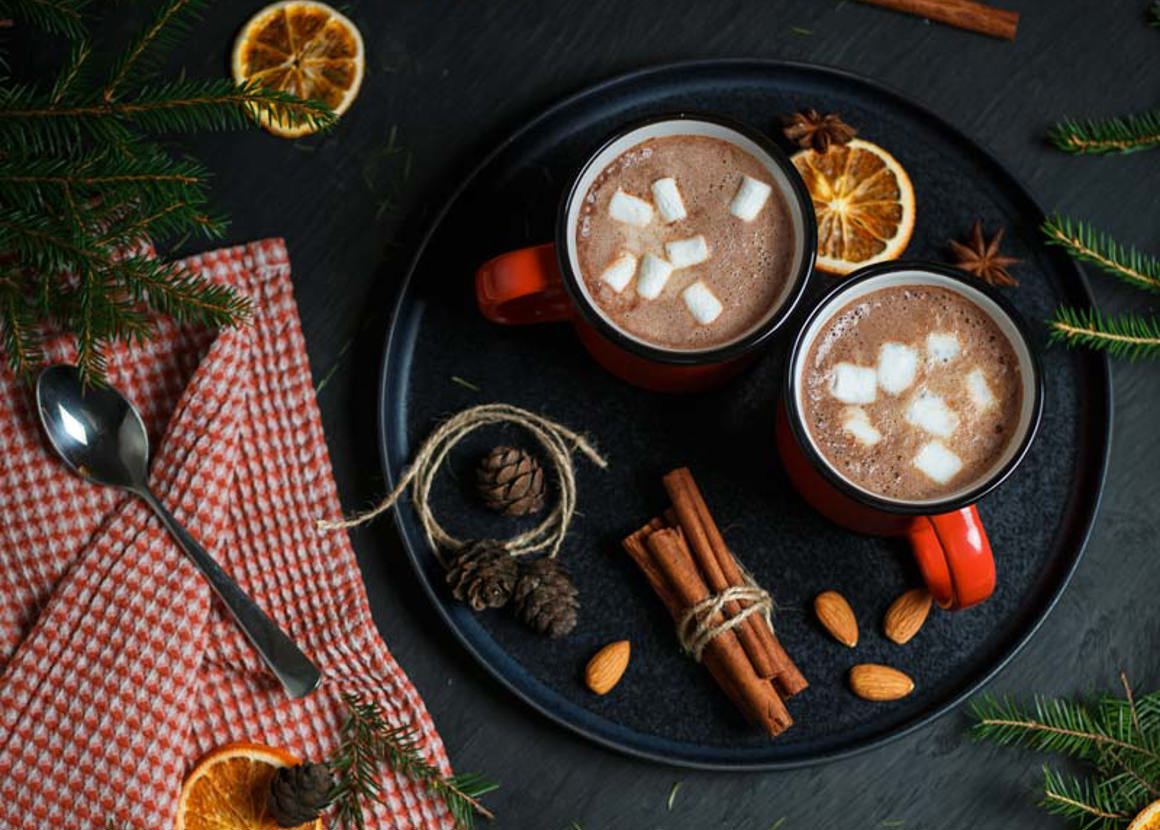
(73, 72)
(167, 29)
(368, 741)
(1128, 336)
(1098, 248)
(673, 795)
(1121, 134)
(466, 384)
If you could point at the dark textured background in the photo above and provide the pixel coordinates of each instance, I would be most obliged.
(454, 78)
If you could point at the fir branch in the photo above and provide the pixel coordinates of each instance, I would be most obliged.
(91, 360)
(1130, 698)
(58, 17)
(44, 244)
(53, 127)
(73, 72)
(19, 331)
(1054, 726)
(169, 106)
(1121, 134)
(1129, 335)
(367, 741)
(132, 227)
(84, 189)
(168, 27)
(1080, 801)
(52, 182)
(179, 293)
(1086, 244)
(1118, 737)
(1154, 14)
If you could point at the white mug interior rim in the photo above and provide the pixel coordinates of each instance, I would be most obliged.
(919, 277)
(677, 127)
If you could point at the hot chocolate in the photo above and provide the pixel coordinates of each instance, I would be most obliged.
(685, 243)
(911, 392)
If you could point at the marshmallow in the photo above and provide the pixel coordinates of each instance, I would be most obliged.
(978, 390)
(897, 366)
(930, 413)
(624, 207)
(654, 273)
(942, 346)
(851, 383)
(857, 423)
(750, 199)
(668, 200)
(685, 252)
(619, 272)
(937, 462)
(702, 303)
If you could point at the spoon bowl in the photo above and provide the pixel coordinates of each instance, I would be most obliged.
(93, 429)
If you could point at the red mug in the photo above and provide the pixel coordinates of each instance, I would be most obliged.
(543, 284)
(946, 534)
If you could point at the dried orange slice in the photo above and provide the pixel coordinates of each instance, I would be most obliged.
(864, 202)
(305, 48)
(1149, 818)
(227, 789)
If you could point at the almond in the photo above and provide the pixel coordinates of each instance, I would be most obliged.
(871, 681)
(607, 666)
(906, 615)
(836, 615)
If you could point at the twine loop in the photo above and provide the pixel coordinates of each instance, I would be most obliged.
(695, 629)
(558, 443)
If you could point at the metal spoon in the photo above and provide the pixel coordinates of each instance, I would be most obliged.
(101, 438)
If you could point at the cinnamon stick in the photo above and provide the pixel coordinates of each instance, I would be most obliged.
(963, 14)
(757, 695)
(634, 545)
(719, 567)
(722, 571)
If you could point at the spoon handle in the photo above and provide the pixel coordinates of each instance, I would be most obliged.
(296, 671)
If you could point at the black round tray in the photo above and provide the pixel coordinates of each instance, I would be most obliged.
(666, 707)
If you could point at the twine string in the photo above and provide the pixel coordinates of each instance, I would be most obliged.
(558, 443)
(695, 629)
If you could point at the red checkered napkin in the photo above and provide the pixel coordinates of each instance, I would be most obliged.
(116, 669)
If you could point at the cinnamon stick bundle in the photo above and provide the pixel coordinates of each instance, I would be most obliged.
(722, 571)
(685, 560)
(754, 696)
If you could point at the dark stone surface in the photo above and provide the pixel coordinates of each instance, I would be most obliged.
(455, 78)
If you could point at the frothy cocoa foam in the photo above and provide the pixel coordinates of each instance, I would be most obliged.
(683, 243)
(912, 392)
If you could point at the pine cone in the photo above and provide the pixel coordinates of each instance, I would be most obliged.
(511, 481)
(299, 794)
(482, 574)
(546, 598)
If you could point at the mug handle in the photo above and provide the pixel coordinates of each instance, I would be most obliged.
(523, 287)
(954, 556)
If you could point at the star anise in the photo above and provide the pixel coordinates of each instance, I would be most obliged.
(981, 258)
(814, 131)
